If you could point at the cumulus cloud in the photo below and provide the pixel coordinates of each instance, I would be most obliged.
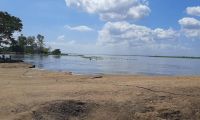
(81, 28)
(139, 11)
(168, 34)
(193, 10)
(190, 27)
(112, 9)
(189, 23)
(117, 31)
(134, 35)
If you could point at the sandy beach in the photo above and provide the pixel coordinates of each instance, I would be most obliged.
(27, 94)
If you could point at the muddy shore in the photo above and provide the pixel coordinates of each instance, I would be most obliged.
(27, 94)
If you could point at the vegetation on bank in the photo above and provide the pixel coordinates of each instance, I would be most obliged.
(27, 45)
(186, 57)
(22, 45)
(56, 52)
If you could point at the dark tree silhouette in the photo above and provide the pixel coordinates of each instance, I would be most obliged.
(8, 25)
(56, 52)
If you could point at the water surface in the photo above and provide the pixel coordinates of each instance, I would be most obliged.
(105, 64)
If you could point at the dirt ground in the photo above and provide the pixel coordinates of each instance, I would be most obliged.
(32, 94)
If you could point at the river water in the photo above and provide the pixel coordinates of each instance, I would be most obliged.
(110, 64)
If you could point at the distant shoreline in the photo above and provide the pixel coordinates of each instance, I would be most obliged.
(186, 57)
(160, 56)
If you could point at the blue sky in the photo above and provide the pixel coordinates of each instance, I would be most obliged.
(156, 27)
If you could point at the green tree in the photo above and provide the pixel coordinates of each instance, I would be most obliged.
(8, 25)
(31, 45)
(22, 42)
(40, 43)
(46, 50)
(30, 40)
(56, 52)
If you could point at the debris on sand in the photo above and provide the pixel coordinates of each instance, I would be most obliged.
(33, 66)
(96, 77)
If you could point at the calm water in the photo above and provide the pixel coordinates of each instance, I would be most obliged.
(134, 65)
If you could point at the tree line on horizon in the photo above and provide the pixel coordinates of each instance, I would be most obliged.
(22, 45)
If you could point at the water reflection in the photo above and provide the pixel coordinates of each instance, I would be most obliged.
(56, 56)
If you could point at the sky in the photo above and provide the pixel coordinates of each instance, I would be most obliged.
(146, 27)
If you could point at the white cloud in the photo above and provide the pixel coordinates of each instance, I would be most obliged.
(168, 34)
(193, 34)
(112, 16)
(81, 28)
(118, 32)
(134, 35)
(94, 6)
(70, 46)
(139, 11)
(61, 38)
(61, 43)
(189, 23)
(193, 10)
(190, 27)
(112, 9)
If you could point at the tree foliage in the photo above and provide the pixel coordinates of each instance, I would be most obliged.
(30, 45)
(40, 42)
(56, 52)
(8, 25)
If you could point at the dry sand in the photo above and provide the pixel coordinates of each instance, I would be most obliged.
(32, 94)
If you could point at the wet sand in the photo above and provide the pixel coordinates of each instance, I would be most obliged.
(27, 94)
